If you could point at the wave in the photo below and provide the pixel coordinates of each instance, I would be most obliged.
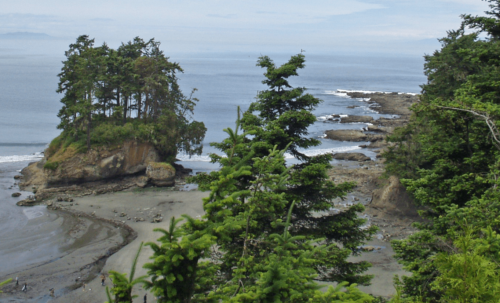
(21, 158)
(187, 158)
(310, 153)
(23, 144)
(343, 93)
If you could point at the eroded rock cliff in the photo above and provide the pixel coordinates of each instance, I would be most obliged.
(67, 167)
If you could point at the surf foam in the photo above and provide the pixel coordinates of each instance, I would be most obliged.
(20, 158)
(310, 153)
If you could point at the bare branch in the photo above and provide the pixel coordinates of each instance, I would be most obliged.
(484, 116)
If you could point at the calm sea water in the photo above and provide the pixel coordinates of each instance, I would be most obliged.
(29, 105)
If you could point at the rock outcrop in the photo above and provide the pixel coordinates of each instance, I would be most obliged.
(351, 135)
(356, 119)
(102, 163)
(392, 198)
(161, 174)
(351, 157)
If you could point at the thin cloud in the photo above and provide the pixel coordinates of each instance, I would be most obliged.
(228, 16)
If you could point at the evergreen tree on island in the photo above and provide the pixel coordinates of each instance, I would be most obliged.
(110, 96)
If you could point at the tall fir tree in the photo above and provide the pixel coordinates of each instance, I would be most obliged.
(280, 118)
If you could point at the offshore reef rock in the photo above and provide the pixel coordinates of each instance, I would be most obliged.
(356, 119)
(351, 156)
(351, 135)
(66, 166)
(161, 174)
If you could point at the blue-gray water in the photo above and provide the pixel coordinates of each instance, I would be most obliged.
(29, 106)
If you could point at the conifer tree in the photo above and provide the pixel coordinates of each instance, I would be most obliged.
(245, 262)
(280, 117)
(111, 96)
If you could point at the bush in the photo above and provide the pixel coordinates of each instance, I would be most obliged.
(51, 165)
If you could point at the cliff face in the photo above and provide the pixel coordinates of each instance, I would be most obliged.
(98, 164)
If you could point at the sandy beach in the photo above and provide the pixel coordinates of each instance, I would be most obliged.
(102, 232)
(97, 231)
(98, 225)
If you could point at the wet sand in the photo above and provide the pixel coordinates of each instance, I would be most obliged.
(92, 239)
(95, 238)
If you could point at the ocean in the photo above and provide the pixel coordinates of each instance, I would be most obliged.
(29, 107)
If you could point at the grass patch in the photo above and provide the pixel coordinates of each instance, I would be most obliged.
(164, 165)
(51, 165)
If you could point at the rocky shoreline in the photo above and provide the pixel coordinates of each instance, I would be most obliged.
(387, 204)
(131, 208)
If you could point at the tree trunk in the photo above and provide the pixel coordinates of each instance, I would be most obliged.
(89, 125)
(139, 104)
(146, 107)
(125, 103)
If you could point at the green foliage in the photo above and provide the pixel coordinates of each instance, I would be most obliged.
(5, 282)
(244, 239)
(175, 264)
(468, 275)
(113, 95)
(123, 285)
(51, 165)
(278, 120)
(448, 159)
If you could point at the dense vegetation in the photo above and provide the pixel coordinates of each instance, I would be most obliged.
(262, 238)
(129, 93)
(449, 159)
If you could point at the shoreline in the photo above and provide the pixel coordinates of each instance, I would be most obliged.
(146, 204)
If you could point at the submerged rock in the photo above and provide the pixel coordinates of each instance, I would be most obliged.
(15, 195)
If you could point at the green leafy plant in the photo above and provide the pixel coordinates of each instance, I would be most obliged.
(5, 282)
(123, 285)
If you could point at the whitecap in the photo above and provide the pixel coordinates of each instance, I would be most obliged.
(187, 158)
(20, 158)
(336, 93)
(344, 92)
(310, 153)
(317, 152)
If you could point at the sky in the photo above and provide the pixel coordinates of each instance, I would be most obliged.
(382, 26)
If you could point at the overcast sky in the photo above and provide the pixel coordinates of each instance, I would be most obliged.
(406, 26)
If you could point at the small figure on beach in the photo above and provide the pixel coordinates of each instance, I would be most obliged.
(145, 298)
(17, 281)
(84, 286)
(25, 287)
(51, 292)
(103, 278)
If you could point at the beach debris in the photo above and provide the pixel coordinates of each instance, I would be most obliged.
(368, 248)
(123, 215)
(157, 218)
(139, 219)
(15, 195)
(68, 199)
(114, 210)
